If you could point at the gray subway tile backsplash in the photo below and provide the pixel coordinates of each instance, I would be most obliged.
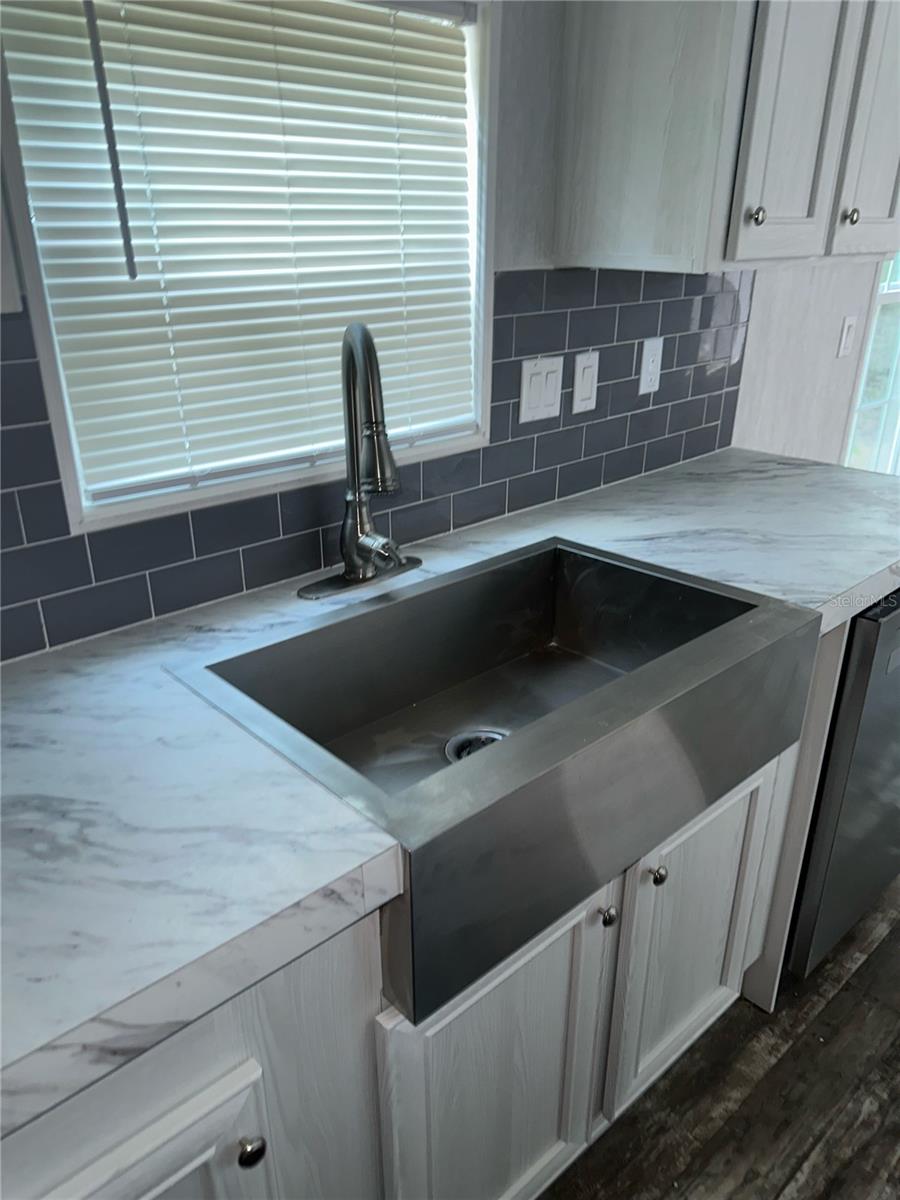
(267, 562)
(618, 287)
(11, 533)
(128, 573)
(479, 504)
(590, 327)
(27, 455)
(623, 464)
(427, 519)
(637, 321)
(21, 394)
(440, 476)
(43, 569)
(128, 549)
(196, 582)
(540, 333)
(228, 526)
(21, 630)
(573, 288)
(93, 610)
(662, 285)
(43, 512)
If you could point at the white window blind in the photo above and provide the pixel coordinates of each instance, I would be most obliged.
(288, 167)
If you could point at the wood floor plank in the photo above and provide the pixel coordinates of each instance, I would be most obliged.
(879, 975)
(761, 1147)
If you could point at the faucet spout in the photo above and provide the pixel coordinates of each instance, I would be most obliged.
(371, 469)
(370, 462)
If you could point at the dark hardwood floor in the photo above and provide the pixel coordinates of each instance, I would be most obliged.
(802, 1104)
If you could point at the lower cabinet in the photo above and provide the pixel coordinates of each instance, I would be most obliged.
(687, 909)
(494, 1094)
(490, 1096)
(289, 1062)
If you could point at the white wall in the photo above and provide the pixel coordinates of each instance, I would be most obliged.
(796, 394)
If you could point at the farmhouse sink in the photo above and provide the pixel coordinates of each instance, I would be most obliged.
(526, 728)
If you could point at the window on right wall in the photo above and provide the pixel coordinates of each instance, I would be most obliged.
(874, 441)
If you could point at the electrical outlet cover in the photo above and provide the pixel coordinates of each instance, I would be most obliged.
(651, 363)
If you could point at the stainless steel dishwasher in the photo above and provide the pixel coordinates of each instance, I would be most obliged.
(854, 848)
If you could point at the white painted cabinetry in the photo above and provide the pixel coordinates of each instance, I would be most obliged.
(649, 126)
(686, 918)
(867, 217)
(490, 1096)
(494, 1094)
(692, 135)
(291, 1059)
(798, 97)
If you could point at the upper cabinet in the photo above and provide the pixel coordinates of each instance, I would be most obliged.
(801, 78)
(649, 121)
(676, 136)
(866, 217)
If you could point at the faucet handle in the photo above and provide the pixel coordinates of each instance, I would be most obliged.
(377, 546)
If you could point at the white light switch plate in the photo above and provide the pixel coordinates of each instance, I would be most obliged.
(651, 362)
(541, 394)
(584, 396)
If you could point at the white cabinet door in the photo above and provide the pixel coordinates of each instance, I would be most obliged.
(867, 218)
(687, 909)
(801, 77)
(490, 1096)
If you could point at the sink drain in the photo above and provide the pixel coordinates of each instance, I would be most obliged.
(461, 745)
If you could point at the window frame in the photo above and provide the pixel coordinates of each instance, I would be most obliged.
(483, 35)
(879, 298)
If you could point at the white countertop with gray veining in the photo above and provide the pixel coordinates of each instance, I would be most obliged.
(157, 858)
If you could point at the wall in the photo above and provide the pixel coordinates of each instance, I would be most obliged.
(796, 394)
(56, 588)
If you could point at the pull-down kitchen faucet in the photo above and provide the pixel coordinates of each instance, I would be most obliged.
(371, 469)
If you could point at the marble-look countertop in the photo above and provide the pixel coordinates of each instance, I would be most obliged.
(157, 858)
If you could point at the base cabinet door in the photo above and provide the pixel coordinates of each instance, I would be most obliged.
(490, 1096)
(687, 909)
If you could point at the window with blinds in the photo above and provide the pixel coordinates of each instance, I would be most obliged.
(287, 167)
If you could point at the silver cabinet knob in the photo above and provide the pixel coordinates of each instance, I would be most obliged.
(757, 215)
(659, 876)
(851, 216)
(610, 915)
(251, 1151)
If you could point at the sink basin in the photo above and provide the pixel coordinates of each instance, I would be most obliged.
(526, 728)
(491, 652)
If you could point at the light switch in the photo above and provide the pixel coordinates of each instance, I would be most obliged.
(541, 392)
(651, 362)
(587, 365)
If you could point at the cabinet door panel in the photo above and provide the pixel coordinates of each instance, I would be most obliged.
(488, 1134)
(690, 925)
(491, 1096)
(682, 948)
(801, 75)
(870, 175)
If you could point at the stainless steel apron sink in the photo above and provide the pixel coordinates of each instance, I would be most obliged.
(526, 728)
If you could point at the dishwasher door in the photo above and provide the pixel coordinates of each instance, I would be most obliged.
(854, 849)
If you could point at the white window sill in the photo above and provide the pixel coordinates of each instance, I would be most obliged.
(85, 518)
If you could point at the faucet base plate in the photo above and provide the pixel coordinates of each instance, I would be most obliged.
(320, 589)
